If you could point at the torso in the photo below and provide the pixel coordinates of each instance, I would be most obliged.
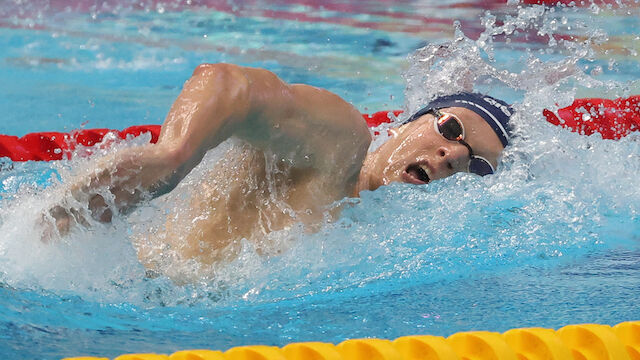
(307, 146)
(248, 194)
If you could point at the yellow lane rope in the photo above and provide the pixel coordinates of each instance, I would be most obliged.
(572, 342)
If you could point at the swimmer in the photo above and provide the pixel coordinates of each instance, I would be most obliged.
(320, 145)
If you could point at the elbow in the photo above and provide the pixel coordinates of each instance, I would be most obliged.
(216, 67)
(254, 88)
(222, 73)
(201, 68)
(226, 85)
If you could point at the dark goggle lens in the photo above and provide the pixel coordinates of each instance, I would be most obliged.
(450, 128)
(480, 167)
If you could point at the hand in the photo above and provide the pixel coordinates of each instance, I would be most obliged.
(63, 222)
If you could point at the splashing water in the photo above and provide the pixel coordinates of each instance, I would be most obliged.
(558, 195)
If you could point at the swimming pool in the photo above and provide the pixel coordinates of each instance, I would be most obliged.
(553, 240)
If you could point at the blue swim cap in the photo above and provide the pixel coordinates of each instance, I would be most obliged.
(495, 112)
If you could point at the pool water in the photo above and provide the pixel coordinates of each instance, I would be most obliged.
(553, 239)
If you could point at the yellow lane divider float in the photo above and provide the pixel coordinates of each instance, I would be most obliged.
(572, 342)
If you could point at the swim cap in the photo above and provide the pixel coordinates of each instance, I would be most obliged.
(495, 112)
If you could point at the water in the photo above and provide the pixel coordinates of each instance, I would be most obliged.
(552, 240)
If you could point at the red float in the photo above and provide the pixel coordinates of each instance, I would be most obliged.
(613, 119)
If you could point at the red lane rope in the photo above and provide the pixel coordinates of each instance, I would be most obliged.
(581, 3)
(47, 146)
(613, 119)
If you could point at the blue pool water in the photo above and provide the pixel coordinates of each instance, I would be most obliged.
(554, 239)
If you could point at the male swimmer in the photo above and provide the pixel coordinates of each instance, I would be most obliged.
(320, 146)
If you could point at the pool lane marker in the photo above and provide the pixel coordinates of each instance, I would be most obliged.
(611, 119)
(577, 342)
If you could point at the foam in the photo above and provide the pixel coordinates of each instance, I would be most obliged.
(557, 196)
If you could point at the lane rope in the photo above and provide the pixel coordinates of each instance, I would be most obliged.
(584, 342)
(612, 119)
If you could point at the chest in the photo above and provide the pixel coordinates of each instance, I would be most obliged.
(248, 195)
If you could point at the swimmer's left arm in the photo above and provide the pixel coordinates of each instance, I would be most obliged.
(221, 100)
(210, 100)
(218, 101)
(211, 103)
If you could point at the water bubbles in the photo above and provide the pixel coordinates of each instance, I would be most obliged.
(570, 164)
(597, 70)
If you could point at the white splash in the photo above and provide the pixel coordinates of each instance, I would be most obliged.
(557, 194)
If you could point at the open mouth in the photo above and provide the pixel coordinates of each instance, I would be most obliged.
(417, 174)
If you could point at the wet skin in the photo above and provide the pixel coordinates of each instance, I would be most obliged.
(317, 141)
(417, 144)
(251, 212)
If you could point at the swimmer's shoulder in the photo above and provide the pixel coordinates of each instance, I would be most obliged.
(313, 103)
(332, 110)
(298, 110)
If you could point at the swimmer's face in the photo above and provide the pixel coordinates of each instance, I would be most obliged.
(418, 154)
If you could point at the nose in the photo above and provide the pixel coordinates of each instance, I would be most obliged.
(452, 158)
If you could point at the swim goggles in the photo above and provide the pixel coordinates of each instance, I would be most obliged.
(451, 128)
